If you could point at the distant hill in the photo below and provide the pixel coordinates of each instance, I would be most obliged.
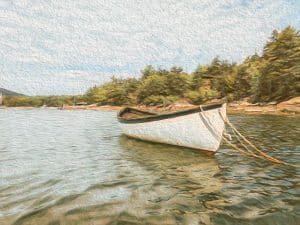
(6, 92)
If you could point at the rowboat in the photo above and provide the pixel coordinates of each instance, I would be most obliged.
(199, 128)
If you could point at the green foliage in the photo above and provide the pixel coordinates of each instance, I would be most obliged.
(158, 100)
(253, 65)
(57, 101)
(198, 75)
(274, 76)
(148, 71)
(37, 101)
(223, 75)
(153, 85)
(163, 83)
(201, 95)
(280, 75)
(177, 82)
(243, 79)
(115, 92)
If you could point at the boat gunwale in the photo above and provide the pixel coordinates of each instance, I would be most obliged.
(161, 116)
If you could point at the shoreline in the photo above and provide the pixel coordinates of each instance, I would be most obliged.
(290, 107)
(287, 108)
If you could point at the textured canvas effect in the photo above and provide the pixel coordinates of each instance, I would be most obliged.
(64, 47)
(154, 112)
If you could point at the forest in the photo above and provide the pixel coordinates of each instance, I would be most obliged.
(273, 76)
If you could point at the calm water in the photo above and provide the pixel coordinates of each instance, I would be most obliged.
(75, 167)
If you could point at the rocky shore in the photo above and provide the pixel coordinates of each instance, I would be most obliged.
(290, 107)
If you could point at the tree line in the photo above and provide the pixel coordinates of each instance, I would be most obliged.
(272, 76)
(38, 101)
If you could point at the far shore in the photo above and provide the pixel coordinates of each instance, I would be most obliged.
(290, 107)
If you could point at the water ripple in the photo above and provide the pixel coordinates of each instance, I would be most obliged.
(67, 167)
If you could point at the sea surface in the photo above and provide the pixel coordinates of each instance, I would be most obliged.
(75, 167)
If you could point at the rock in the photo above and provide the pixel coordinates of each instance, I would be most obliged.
(292, 105)
(272, 103)
(292, 101)
(254, 110)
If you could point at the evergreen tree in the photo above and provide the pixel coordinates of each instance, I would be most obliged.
(242, 83)
(280, 76)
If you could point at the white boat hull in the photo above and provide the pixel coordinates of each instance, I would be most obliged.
(186, 130)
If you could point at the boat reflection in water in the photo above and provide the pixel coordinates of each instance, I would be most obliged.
(92, 174)
(150, 183)
(172, 163)
(178, 182)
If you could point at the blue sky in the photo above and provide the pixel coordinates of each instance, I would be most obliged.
(65, 47)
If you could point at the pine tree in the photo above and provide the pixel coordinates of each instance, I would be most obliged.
(280, 76)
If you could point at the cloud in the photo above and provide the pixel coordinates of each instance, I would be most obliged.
(55, 37)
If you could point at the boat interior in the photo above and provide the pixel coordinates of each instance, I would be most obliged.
(132, 113)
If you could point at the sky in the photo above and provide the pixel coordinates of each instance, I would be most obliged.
(64, 47)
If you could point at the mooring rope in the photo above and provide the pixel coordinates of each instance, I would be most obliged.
(210, 127)
(249, 143)
(257, 154)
